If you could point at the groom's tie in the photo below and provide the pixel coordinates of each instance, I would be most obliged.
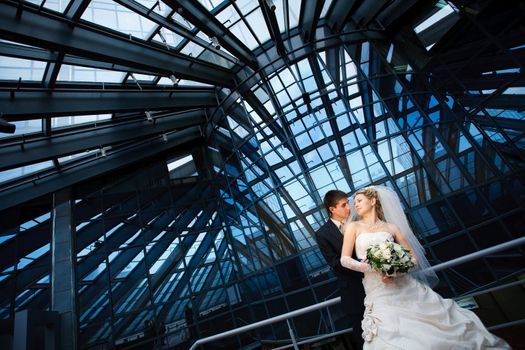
(340, 227)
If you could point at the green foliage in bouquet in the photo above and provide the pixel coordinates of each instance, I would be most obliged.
(390, 258)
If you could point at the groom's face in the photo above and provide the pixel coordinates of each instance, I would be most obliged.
(341, 210)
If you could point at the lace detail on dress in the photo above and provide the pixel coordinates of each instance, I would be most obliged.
(369, 324)
(350, 263)
(372, 281)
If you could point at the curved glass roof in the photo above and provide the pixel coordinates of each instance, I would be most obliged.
(198, 139)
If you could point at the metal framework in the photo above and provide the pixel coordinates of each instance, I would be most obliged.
(197, 140)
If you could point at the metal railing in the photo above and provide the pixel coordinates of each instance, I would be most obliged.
(491, 328)
(335, 301)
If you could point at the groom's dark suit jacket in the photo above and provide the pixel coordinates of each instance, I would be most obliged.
(330, 241)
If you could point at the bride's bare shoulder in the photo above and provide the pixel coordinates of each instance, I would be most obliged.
(355, 224)
(358, 226)
(392, 228)
(351, 227)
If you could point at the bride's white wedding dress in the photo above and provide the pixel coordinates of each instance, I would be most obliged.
(407, 314)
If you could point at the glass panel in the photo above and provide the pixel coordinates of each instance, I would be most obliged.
(24, 127)
(77, 73)
(242, 32)
(12, 174)
(114, 16)
(55, 5)
(60, 122)
(17, 68)
(256, 21)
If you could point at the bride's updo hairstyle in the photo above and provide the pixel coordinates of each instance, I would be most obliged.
(370, 192)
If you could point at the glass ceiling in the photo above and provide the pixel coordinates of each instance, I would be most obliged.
(235, 120)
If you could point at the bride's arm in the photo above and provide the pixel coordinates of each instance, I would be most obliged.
(346, 252)
(399, 237)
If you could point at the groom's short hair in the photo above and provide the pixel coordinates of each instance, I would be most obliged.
(331, 198)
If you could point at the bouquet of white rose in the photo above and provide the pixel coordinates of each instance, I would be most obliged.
(390, 258)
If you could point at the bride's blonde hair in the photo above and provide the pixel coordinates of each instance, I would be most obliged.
(370, 192)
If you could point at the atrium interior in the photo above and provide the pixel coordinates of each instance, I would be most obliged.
(162, 161)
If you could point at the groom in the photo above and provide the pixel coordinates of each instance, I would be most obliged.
(330, 241)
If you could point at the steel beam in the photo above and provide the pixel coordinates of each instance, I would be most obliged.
(74, 11)
(195, 260)
(39, 54)
(333, 65)
(273, 27)
(122, 234)
(33, 104)
(479, 82)
(251, 153)
(401, 12)
(368, 11)
(212, 274)
(37, 236)
(197, 14)
(166, 22)
(339, 13)
(53, 182)
(76, 8)
(20, 154)
(123, 290)
(515, 102)
(504, 123)
(64, 289)
(309, 17)
(44, 29)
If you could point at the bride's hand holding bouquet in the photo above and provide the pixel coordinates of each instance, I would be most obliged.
(390, 259)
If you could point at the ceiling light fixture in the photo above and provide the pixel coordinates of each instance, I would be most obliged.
(7, 127)
(163, 40)
(270, 4)
(174, 80)
(103, 151)
(215, 42)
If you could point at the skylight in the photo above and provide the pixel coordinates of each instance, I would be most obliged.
(60, 122)
(174, 164)
(86, 74)
(10, 174)
(56, 5)
(439, 21)
(114, 16)
(17, 68)
(436, 17)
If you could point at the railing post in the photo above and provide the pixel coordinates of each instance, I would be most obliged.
(292, 335)
(332, 324)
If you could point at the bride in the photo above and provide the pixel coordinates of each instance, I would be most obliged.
(404, 312)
